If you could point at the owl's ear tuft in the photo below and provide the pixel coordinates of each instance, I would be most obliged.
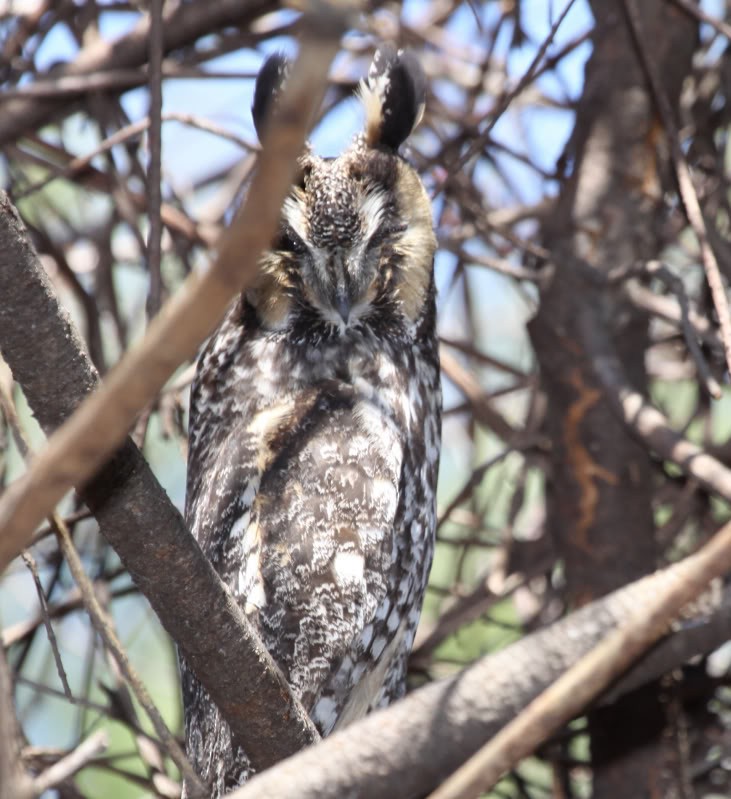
(393, 96)
(269, 84)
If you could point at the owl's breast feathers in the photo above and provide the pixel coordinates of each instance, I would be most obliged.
(315, 500)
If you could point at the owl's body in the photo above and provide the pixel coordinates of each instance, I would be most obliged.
(314, 439)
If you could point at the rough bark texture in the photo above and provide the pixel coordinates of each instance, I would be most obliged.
(412, 746)
(600, 511)
(47, 358)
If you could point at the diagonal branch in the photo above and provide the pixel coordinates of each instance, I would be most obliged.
(74, 761)
(412, 746)
(644, 420)
(583, 682)
(87, 440)
(102, 624)
(14, 782)
(43, 350)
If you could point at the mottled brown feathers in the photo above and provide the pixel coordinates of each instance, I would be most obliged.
(417, 243)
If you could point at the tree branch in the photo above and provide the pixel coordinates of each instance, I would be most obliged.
(412, 746)
(184, 23)
(580, 685)
(47, 358)
(14, 782)
(644, 420)
(102, 624)
(74, 761)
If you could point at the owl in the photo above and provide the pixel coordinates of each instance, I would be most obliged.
(315, 426)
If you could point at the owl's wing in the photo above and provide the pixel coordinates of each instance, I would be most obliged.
(309, 505)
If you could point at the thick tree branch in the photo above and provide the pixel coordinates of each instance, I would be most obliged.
(411, 747)
(81, 446)
(580, 685)
(43, 350)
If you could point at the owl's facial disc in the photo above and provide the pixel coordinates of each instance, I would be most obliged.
(339, 248)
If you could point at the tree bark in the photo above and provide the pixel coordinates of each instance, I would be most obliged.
(48, 360)
(14, 782)
(408, 749)
(599, 501)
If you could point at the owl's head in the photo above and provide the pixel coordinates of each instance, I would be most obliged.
(355, 245)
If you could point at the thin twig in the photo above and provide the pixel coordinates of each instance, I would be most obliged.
(472, 482)
(675, 284)
(154, 169)
(466, 610)
(668, 308)
(184, 23)
(8, 407)
(103, 626)
(482, 408)
(698, 13)
(29, 561)
(504, 102)
(74, 761)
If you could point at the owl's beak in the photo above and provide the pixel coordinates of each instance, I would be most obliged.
(342, 306)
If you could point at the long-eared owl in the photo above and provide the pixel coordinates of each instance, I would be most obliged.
(315, 426)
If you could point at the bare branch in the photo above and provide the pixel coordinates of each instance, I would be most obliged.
(644, 420)
(30, 562)
(82, 445)
(410, 748)
(696, 11)
(103, 626)
(183, 23)
(74, 761)
(573, 691)
(154, 171)
(14, 782)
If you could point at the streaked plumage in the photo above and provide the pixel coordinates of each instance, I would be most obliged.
(315, 427)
